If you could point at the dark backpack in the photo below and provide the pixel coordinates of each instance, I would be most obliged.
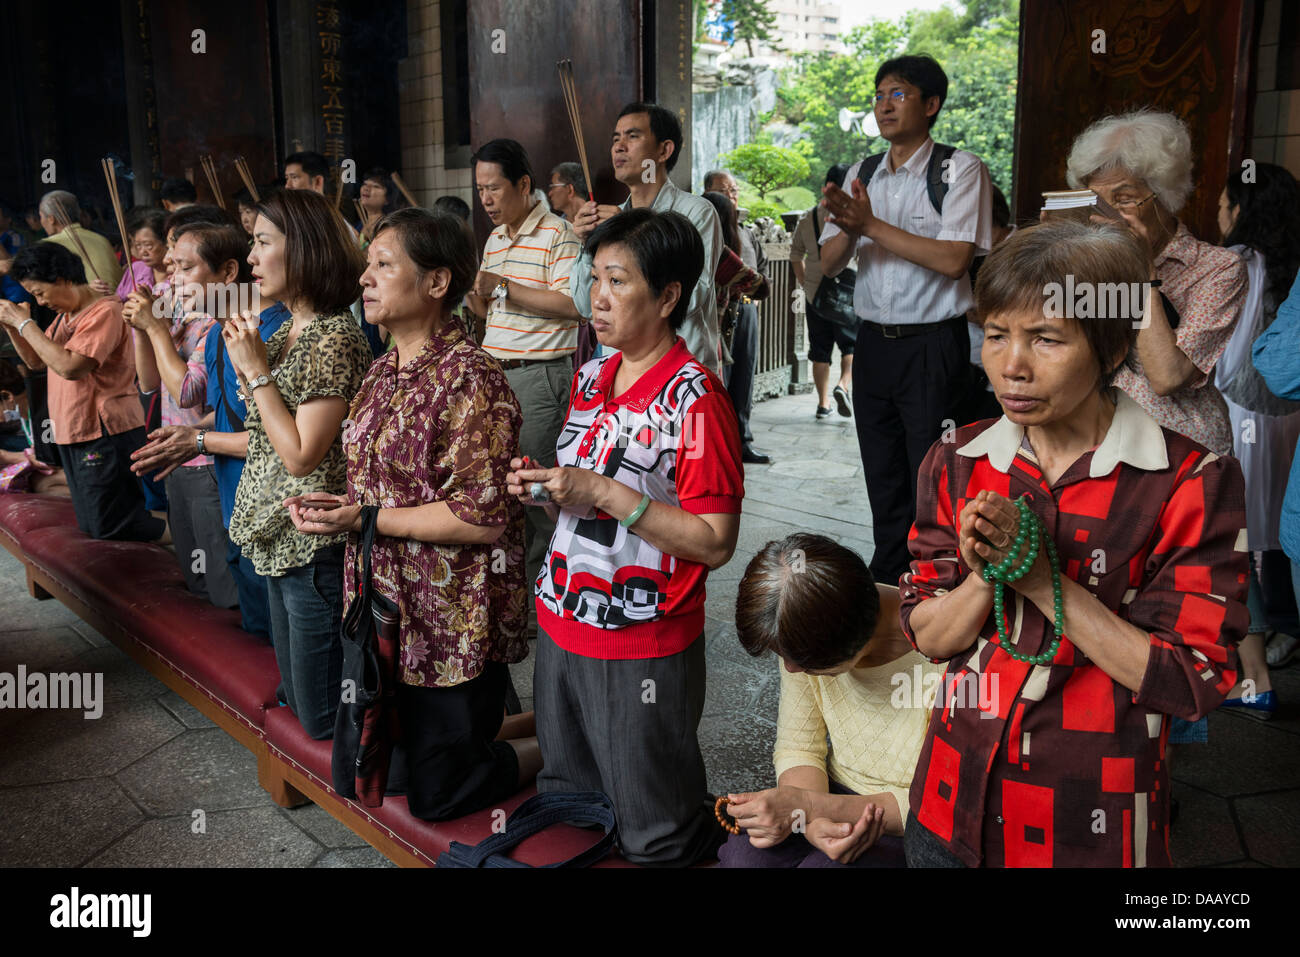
(936, 185)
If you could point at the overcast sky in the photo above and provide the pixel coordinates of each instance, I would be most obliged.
(860, 11)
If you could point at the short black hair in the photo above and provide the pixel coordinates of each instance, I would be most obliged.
(920, 70)
(147, 217)
(837, 173)
(667, 249)
(176, 189)
(511, 156)
(454, 205)
(436, 239)
(197, 214)
(663, 124)
(47, 262)
(571, 173)
(312, 163)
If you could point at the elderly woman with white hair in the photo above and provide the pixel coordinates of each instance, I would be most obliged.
(1141, 163)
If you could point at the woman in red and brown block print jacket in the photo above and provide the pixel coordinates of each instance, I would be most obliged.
(1062, 762)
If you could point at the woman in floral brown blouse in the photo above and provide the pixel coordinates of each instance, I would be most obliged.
(298, 385)
(432, 433)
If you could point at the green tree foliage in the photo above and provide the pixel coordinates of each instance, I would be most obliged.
(765, 167)
(751, 20)
(978, 48)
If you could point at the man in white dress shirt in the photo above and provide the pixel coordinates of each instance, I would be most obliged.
(912, 292)
(647, 141)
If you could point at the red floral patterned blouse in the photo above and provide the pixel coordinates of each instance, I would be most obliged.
(442, 429)
(1059, 764)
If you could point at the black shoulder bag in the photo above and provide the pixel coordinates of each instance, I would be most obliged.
(366, 728)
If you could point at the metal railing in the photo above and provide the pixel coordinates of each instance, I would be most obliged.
(782, 366)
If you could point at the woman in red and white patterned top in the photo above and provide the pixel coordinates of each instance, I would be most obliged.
(1062, 760)
(1141, 163)
(646, 498)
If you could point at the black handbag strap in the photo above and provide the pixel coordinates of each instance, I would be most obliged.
(369, 528)
(536, 814)
(236, 420)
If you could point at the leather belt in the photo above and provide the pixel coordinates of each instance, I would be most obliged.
(509, 364)
(910, 329)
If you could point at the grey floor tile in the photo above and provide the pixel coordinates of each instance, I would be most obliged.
(61, 825)
(353, 857)
(206, 770)
(46, 746)
(123, 678)
(1243, 756)
(183, 711)
(1205, 833)
(41, 649)
(254, 837)
(1271, 823)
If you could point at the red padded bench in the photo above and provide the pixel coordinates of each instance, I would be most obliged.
(135, 596)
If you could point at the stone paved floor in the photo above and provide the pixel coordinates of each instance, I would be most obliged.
(124, 790)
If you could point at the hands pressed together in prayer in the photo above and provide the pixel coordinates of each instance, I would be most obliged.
(320, 513)
(851, 213)
(768, 817)
(140, 311)
(101, 286)
(14, 314)
(989, 524)
(168, 448)
(245, 346)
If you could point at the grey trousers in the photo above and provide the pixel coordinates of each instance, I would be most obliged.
(200, 538)
(542, 389)
(628, 728)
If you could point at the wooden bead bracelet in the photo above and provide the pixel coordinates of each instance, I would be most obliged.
(727, 824)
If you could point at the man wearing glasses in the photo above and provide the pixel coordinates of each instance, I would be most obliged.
(912, 291)
(567, 192)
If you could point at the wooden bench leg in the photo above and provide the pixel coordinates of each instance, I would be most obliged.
(34, 587)
(269, 777)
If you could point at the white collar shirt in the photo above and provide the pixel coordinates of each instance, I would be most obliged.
(892, 290)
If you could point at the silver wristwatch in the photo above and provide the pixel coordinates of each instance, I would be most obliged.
(198, 440)
(258, 383)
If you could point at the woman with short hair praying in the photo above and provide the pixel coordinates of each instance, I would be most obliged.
(1090, 560)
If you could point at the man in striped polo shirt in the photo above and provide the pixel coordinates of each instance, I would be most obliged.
(532, 325)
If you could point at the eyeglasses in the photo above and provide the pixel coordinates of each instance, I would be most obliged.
(1131, 203)
(557, 186)
(898, 96)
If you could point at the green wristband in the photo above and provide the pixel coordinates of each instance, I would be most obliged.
(636, 512)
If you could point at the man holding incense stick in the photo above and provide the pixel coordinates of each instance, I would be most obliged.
(647, 139)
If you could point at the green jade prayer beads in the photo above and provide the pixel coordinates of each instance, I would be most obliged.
(1015, 566)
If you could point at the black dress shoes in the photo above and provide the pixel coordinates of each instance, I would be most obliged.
(750, 457)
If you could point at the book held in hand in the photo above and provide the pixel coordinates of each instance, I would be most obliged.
(1079, 205)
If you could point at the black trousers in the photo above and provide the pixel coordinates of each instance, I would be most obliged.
(449, 762)
(903, 390)
(106, 494)
(744, 354)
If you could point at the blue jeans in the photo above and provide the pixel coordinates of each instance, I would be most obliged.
(255, 616)
(306, 606)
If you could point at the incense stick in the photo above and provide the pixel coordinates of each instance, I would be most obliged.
(242, 165)
(338, 194)
(121, 219)
(65, 224)
(570, 91)
(210, 171)
(397, 181)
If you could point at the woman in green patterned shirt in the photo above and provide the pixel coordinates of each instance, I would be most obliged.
(298, 386)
